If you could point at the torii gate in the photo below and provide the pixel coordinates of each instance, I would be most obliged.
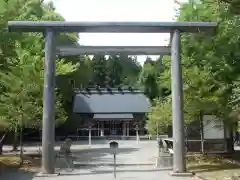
(50, 28)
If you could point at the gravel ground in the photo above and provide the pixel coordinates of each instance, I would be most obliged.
(135, 161)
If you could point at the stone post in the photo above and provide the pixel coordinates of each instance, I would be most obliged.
(102, 128)
(48, 122)
(179, 164)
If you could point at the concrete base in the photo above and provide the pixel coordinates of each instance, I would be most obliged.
(164, 160)
(41, 174)
(164, 169)
(182, 174)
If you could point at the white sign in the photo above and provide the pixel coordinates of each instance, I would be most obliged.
(213, 128)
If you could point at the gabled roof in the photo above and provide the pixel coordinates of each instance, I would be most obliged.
(110, 101)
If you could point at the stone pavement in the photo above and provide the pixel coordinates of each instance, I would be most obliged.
(134, 161)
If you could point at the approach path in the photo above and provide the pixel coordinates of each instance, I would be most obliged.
(135, 161)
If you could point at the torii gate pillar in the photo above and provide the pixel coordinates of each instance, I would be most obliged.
(179, 162)
(48, 121)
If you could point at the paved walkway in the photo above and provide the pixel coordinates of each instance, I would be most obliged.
(134, 161)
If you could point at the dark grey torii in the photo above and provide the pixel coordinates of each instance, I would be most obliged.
(50, 28)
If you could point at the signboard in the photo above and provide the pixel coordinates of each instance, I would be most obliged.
(213, 128)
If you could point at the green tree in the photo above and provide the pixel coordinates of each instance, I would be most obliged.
(99, 68)
(115, 70)
(159, 116)
(21, 101)
(148, 79)
(131, 71)
(210, 61)
(25, 51)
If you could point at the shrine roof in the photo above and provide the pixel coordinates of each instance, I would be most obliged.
(113, 116)
(110, 101)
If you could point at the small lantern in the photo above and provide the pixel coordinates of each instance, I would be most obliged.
(113, 145)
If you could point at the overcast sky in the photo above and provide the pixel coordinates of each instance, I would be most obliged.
(118, 10)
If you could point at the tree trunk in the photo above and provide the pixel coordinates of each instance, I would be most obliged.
(230, 143)
(21, 145)
(15, 140)
(1, 142)
(201, 132)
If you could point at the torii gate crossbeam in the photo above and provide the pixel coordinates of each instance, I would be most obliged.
(50, 28)
(108, 50)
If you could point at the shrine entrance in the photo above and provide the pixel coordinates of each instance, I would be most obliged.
(114, 128)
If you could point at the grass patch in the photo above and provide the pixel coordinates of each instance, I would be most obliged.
(31, 163)
(212, 167)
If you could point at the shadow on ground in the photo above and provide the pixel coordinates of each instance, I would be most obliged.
(236, 156)
(212, 163)
(88, 159)
(99, 172)
(77, 142)
(16, 174)
(92, 158)
(213, 168)
(36, 145)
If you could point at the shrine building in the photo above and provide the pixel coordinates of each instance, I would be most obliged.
(107, 112)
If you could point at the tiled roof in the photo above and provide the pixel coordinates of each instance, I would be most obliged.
(111, 101)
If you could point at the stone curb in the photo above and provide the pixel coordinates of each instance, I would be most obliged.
(47, 175)
(196, 177)
(164, 169)
(111, 164)
(185, 174)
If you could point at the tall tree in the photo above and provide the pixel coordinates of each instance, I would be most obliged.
(148, 78)
(114, 69)
(131, 71)
(99, 67)
(21, 59)
(210, 61)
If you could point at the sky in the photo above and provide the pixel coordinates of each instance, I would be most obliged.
(119, 10)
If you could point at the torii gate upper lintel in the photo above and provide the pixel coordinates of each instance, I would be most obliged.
(50, 28)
